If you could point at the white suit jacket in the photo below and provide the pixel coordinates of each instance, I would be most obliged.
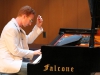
(14, 46)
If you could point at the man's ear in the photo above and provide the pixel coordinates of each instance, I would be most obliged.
(24, 16)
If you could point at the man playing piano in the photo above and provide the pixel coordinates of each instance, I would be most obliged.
(14, 42)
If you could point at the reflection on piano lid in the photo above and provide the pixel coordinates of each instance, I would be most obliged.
(68, 40)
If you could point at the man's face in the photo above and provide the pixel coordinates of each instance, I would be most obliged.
(28, 20)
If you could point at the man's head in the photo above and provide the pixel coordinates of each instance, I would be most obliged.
(26, 15)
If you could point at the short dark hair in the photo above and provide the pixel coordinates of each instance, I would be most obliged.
(27, 10)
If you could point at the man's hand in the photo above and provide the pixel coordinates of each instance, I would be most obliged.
(39, 21)
(37, 52)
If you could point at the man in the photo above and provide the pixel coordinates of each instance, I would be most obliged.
(14, 42)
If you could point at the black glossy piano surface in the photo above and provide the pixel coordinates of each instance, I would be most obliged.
(67, 60)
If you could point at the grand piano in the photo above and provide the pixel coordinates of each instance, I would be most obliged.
(72, 52)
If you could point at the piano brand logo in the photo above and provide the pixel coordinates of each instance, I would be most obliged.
(48, 67)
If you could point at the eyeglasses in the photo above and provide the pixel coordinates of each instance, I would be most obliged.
(31, 20)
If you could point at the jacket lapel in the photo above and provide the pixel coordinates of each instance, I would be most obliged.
(23, 36)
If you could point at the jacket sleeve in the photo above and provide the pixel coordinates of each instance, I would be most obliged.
(12, 42)
(36, 31)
